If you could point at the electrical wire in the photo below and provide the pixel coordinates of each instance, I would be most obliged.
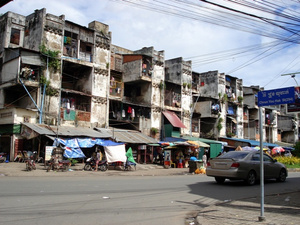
(229, 17)
(274, 19)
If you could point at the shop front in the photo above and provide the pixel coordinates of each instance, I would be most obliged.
(143, 146)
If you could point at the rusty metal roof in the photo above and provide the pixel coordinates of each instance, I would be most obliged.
(67, 131)
(130, 136)
(40, 129)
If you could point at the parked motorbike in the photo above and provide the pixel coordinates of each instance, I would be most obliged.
(55, 164)
(30, 164)
(90, 164)
(129, 165)
(2, 157)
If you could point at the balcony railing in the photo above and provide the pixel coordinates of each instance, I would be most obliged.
(115, 88)
(86, 56)
(172, 99)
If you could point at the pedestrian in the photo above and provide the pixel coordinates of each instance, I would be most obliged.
(204, 159)
(98, 158)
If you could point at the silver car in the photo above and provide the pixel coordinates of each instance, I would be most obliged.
(245, 165)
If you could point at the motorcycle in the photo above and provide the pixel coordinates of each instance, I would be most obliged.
(129, 165)
(30, 164)
(2, 157)
(55, 164)
(90, 164)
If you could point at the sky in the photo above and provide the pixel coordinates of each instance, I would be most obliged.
(209, 45)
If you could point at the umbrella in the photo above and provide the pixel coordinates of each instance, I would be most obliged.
(199, 144)
(239, 148)
(248, 148)
(264, 148)
(276, 150)
(183, 143)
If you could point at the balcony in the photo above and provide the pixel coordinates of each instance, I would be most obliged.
(116, 88)
(75, 115)
(172, 99)
(207, 109)
(245, 118)
(70, 47)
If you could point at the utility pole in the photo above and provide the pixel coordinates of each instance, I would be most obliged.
(192, 112)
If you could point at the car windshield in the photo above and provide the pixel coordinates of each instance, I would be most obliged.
(234, 155)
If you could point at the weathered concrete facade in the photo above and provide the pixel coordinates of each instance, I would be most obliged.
(220, 105)
(92, 83)
(143, 78)
(178, 92)
(73, 61)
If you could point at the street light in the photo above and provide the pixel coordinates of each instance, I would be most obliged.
(292, 75)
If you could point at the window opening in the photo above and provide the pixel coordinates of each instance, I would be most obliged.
(15, 36)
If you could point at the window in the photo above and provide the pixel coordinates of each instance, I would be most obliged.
(267, 159)
(88, 48)
(15, 36)
(234, 155)
(256, 157)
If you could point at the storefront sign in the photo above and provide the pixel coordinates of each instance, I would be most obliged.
(48, 152)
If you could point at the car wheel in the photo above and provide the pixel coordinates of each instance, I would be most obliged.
(220, 180)
(282, 176)
(251, 178)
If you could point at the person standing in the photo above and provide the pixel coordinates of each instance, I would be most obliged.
(204, 159)
(98, 158)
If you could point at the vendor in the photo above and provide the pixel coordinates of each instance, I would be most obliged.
(179, 157)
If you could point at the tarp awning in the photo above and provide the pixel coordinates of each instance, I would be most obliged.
(252, 143)
(284, 144)
(129, 136)
(207, 141)
(173, 119)
(10, 129)
(73, 146)
(115, 153)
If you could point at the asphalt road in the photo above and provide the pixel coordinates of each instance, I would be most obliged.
(119, 200)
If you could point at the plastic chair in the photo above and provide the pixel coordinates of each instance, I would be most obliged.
(172, 164)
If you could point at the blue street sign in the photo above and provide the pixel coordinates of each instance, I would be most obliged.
(276, 96)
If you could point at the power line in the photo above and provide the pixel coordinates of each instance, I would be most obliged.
(229, 17)
(273, 19)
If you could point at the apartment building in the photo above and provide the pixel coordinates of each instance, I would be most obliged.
(220, 104)
(53, 72)
(287, 125)
(178, 96)
(56, 72)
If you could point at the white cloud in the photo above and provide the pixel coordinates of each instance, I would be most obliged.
(134, 28)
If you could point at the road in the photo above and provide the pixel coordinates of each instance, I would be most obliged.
(119, 200)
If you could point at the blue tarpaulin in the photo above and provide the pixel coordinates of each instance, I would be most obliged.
(73, 153)
(73, 146)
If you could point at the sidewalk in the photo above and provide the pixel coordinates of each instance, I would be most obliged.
(280, 209)
(15, 169)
